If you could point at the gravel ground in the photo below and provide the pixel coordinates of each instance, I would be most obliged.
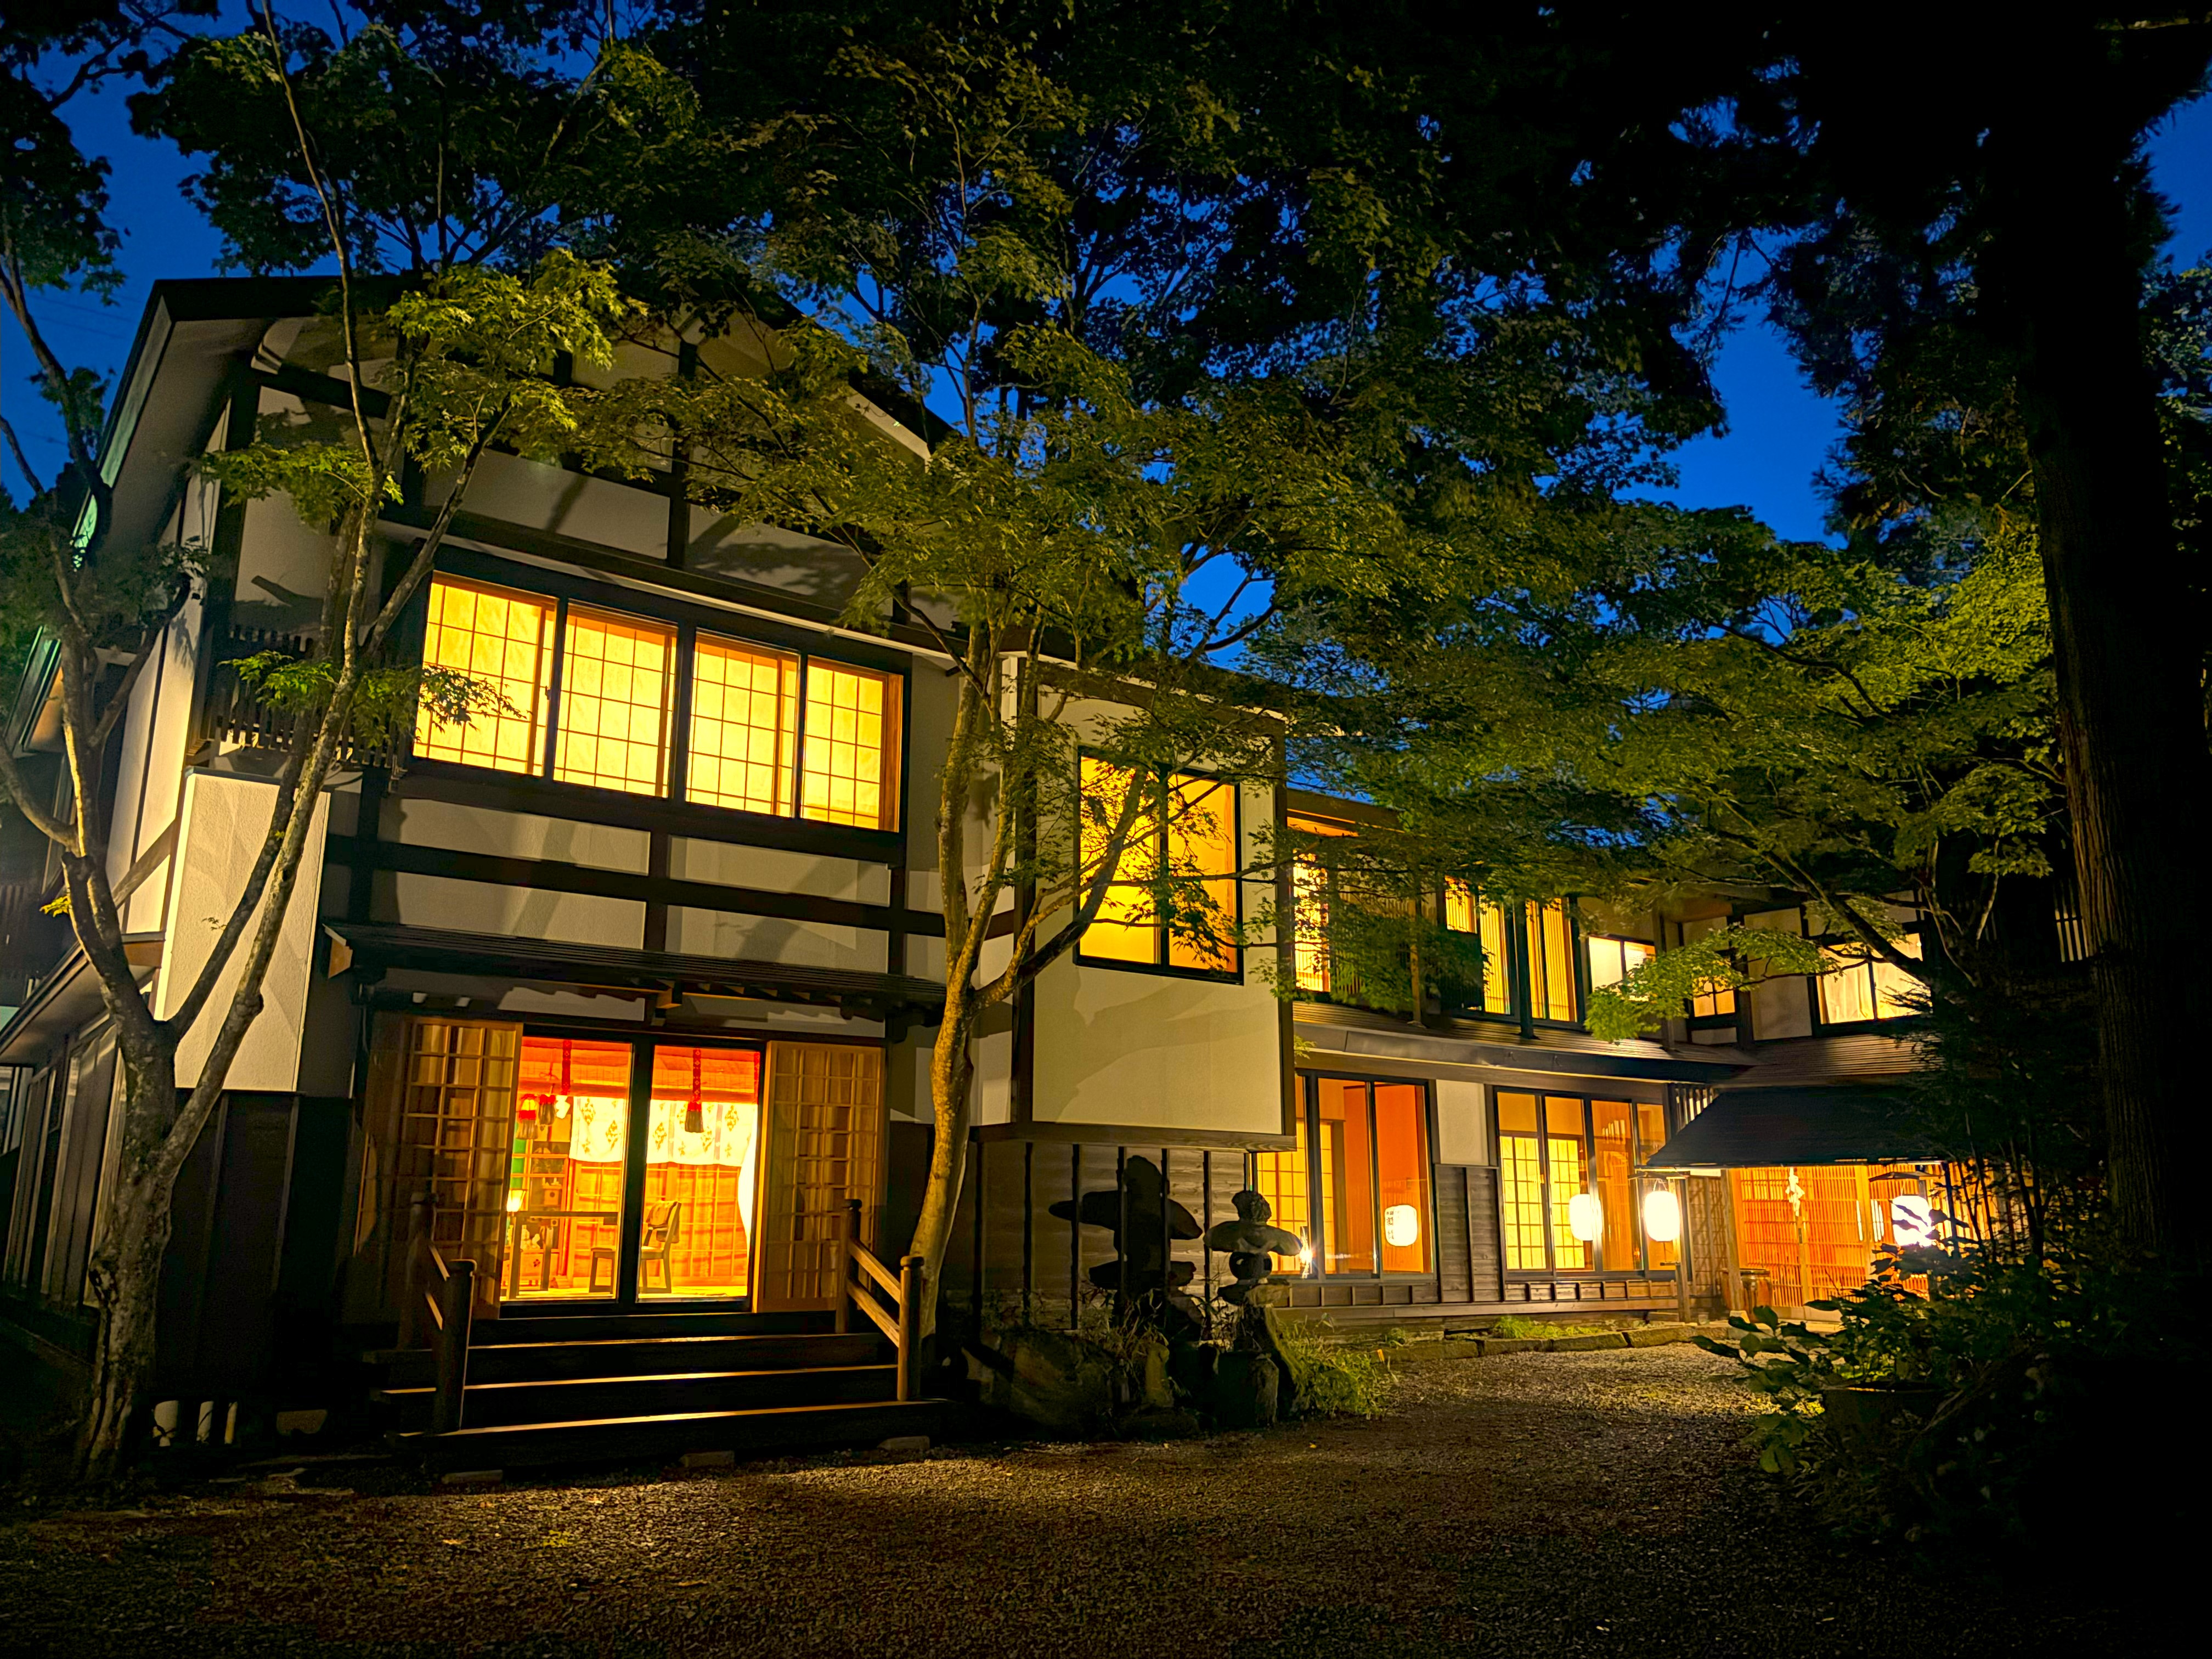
(1531, 1504)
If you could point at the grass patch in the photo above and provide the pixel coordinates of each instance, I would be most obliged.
(1333, 1379)
(1515, 1328)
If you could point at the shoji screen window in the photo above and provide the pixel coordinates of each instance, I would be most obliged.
(1550, 961)
(849, 761)
(1285, 1180)
(744, 726)
(1466, 913)
(504, 642)
(1861, 986)
(1310, 887)
(617, 673)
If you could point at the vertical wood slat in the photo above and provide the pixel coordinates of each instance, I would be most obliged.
(822, 1145)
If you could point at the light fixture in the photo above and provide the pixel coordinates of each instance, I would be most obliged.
(1585, 1216)
(1912, 1219)
(514, 1203)
(1401, 1226)
(1663, 1216)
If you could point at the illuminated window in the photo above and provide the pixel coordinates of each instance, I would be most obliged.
(1185, 833)
(1860, 985)
(1713, 1000)
(1613, 960)
(1465, 914)
(744, 726)
(1553, 1148)
(504, 640)
(616, 675)
(1282, 1179)
(1550, 961)
(848, 762)
(1309, 885)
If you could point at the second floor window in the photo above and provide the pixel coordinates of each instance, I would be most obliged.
(1550, 961)
(1861, 986)
(771, 731)
(1187, 833)
(1467, 913)
(1613, 960)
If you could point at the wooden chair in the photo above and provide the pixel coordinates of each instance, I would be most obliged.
(663, 1223)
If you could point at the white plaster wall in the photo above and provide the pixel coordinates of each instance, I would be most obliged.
(772, 938)
(726, 863)
(519, 835)
(994, 1072)
(220, 831)
(569, 503)
(1462, 1124)
(487, 907)
(1780, 1008)
(1156, 1051)
(747, 550)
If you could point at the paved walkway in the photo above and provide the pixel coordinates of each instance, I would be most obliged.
(1530, 1504)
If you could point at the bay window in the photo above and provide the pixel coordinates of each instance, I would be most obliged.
(590, 697)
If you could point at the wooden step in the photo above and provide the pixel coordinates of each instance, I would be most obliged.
(487, 1405)
(659, 1356)
(600, 1327)
(638, 1439)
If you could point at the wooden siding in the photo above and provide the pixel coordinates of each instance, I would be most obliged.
(1485, 1266)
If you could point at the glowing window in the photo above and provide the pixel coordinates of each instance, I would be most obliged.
(1282, 1179)
(1521, 1187)
(744, 726)
(1182, 839)
(1550, 961)
(504, 640)
(1613, 960)
(1465, 914)
(1309, 906)
(616, 675)
(1860, 985)
(847, 764)
(1566, 1168)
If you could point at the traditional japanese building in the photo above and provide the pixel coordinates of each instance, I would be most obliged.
(626, 994)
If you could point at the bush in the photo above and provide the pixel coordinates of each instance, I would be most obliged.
(2009, 1404)
(1330, 1379)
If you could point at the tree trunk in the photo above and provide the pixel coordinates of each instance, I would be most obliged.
(2067, 275)
(950, 1077)
(127, 1279)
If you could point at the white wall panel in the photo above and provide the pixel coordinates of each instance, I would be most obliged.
(220, 828)
(726, 863)
(520, 835)
(772, 938)
(569, 503)
(486, 907)
(1462, 1129)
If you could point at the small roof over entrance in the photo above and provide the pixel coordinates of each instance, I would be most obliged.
(375, 945)
(1748, 1128)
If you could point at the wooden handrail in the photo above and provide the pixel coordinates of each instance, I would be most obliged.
(446, 1292)
(902, 1320)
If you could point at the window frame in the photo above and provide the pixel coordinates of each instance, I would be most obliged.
(1308, 1124)
(671, 806)
(1639, 1181)
(1233, 975)
(1881, 1021)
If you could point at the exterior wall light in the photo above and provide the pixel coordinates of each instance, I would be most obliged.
(1663, 1216)
(513, 1203)
(1585, 1216)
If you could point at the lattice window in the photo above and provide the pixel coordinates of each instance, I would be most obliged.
(616, 673)
(824, 1147)
(505, 640)
(744, 726)
(848, 762)
(1521, 1200)
(1467, 913)
(1285, 1180)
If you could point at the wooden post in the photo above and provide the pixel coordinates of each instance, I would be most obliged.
(848, 1221)
(1680, 1186)
(909, 1321)
(410, 1296)
(456, 1297)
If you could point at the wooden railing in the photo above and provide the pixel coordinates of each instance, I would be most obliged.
(901, 1323)
(435, 1311)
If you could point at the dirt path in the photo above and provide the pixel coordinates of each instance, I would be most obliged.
(1535, 1505)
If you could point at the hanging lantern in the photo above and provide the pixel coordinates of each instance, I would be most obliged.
(695, 1109)
(1401, 1226)
(1913, 1219)
(1585, 1216)
(1663, 1216)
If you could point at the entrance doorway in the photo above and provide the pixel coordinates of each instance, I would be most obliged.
(635, 1172)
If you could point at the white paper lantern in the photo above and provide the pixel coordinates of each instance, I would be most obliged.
(1401, 1226)
(1585, 1216)
(1663, 1216)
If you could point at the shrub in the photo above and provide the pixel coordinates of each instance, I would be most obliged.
(1331, 1379)
(2005, 1405)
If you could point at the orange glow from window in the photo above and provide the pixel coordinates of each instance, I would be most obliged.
(849, 767)
(1550, 961)
(504, 639)
(1197, 844)
(744, 726)
(1124, 930)
(1202, 843)
(1309, 906)
(616, 674)
(1281, 1178)
(1465, 914)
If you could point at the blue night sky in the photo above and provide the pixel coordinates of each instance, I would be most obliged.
(1777, 433)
